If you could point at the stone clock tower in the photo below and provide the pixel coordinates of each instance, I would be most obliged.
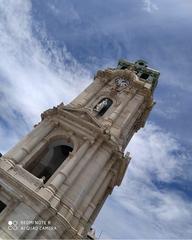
(54, 182)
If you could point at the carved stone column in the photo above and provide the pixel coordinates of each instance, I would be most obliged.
(98, 196)
(78, 169)
(133, 114)
(88, 94)
(28, 143)
(103, 158)
(63, 174)
(116, 113)
(95, 187)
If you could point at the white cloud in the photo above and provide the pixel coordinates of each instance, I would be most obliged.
(142, 207)
(33, 77)
(32, 82)
(150, 6)
(166, 111)
(156, 147)
(70, 14)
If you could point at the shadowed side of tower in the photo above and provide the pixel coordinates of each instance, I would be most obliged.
(55, 180)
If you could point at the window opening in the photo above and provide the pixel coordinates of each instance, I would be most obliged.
(144, 76)
(47, 163)
(103, 106)
(2, 206)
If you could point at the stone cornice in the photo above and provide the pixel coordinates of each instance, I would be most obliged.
(143, 87)
(67, 116)
(25, 189)
(109, 74)
(124, 162)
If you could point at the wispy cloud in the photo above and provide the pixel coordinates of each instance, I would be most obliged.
(150, 6)
(33, 76)
(145, 208)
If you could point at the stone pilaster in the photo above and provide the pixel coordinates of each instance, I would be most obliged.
(23, 148)
(64, 173)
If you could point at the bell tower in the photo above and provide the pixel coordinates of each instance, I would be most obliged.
(54, 182)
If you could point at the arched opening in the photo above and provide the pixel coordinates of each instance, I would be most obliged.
(48, 161)
(2, 206)
(103, 106)
(141, 63)
(144, 76)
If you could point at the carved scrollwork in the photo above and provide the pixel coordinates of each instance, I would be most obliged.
(121, 82)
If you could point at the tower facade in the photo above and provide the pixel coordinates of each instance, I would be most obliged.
(54, 182)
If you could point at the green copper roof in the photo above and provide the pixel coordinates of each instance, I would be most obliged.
(142, 70)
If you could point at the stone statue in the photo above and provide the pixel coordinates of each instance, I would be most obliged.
(101, 105)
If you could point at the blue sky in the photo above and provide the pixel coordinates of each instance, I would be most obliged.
(50, 49)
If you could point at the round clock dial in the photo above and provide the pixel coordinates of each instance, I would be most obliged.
(120, 82)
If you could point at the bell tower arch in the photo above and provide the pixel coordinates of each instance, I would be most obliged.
(62, 172)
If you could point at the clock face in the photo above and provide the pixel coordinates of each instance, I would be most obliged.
(120, 82)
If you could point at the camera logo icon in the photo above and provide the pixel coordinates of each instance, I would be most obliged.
(12, 225)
